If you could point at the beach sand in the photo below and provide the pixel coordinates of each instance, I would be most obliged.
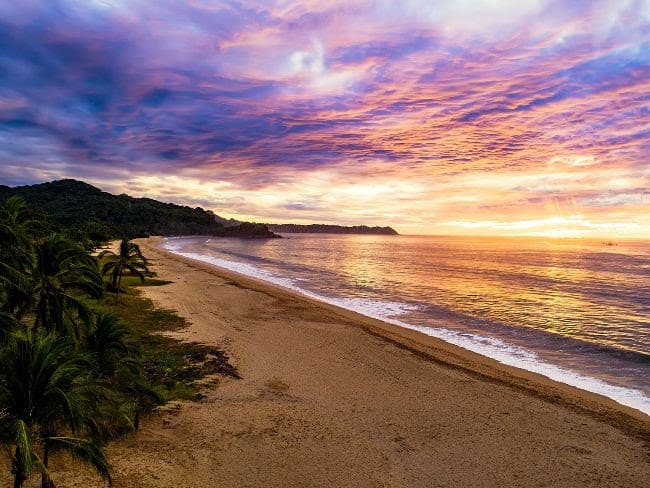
(329, 398)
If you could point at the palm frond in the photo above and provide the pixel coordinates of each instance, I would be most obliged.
(84, 450)
(24, 449)
(7, 324)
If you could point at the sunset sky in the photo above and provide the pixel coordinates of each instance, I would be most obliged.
(527, 117)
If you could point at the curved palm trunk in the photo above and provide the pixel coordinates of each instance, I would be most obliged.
(40, 312)
(19, 480)
(18, 470)
(46, 480)
(119, 283)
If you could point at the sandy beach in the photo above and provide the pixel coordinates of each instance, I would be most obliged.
(331, 398)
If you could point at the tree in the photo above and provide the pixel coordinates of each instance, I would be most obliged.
(118, 361)
(21, 221)
(15, 287)
(48, 402)
(110, 344)
(143, 397)
(129, 258)
(7, 325)
(62, 269)
(18, 225)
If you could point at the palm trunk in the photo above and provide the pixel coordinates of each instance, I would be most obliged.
(19, 470)
(117, 289)
(40, 313)
(19, 480)
(46, 481)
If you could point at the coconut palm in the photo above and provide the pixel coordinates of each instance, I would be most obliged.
(61, 271)
(110, 344)
(15, 284)
(129, 258)
(7, 325)
(16, 213)
(17, 224)
(143, 396)
(118, 360)
(118, 363)
(48, 401)
(9, 239)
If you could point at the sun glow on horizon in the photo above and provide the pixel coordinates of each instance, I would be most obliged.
(573, 226)
(533, 121)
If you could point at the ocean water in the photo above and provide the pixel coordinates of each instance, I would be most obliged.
(575, 311)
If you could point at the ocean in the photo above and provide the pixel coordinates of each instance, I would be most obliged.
(575, 311)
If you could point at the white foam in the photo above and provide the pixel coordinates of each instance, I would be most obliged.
(484, 345)
(528, 360)
(242, 268)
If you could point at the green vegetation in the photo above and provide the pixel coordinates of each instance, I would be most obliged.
(49, 403)
(90, 216)
(79, 368)
(129, 258)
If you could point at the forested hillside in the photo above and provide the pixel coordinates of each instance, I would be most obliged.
(90, 212)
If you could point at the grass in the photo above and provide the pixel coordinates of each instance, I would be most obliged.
(174, 367)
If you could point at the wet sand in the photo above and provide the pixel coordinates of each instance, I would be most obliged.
(329, 398)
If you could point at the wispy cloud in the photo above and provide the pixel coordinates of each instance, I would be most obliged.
(414, 113)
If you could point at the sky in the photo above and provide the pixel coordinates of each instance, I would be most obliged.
(525, 117)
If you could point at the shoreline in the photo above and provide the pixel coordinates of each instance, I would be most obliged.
(520, 356)
(453, 356)
(329, 397)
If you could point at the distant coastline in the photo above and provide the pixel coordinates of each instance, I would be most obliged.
(331, 229)
(318, 228)
(95, 215)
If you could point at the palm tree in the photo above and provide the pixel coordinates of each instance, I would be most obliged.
(60, 271)
(7, 325)
(17, 225)
(129, 259)
(143, 396)
(111, 346)
(16, 210)
(117, 363)
(9, 238)
(118, 360)
(48, 402)
(19, 220)
(15, 287)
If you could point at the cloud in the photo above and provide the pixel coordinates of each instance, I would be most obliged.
(413, 113)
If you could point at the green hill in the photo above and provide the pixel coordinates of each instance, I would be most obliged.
(90, 212)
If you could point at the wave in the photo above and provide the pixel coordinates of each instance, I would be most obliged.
(388, 311)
